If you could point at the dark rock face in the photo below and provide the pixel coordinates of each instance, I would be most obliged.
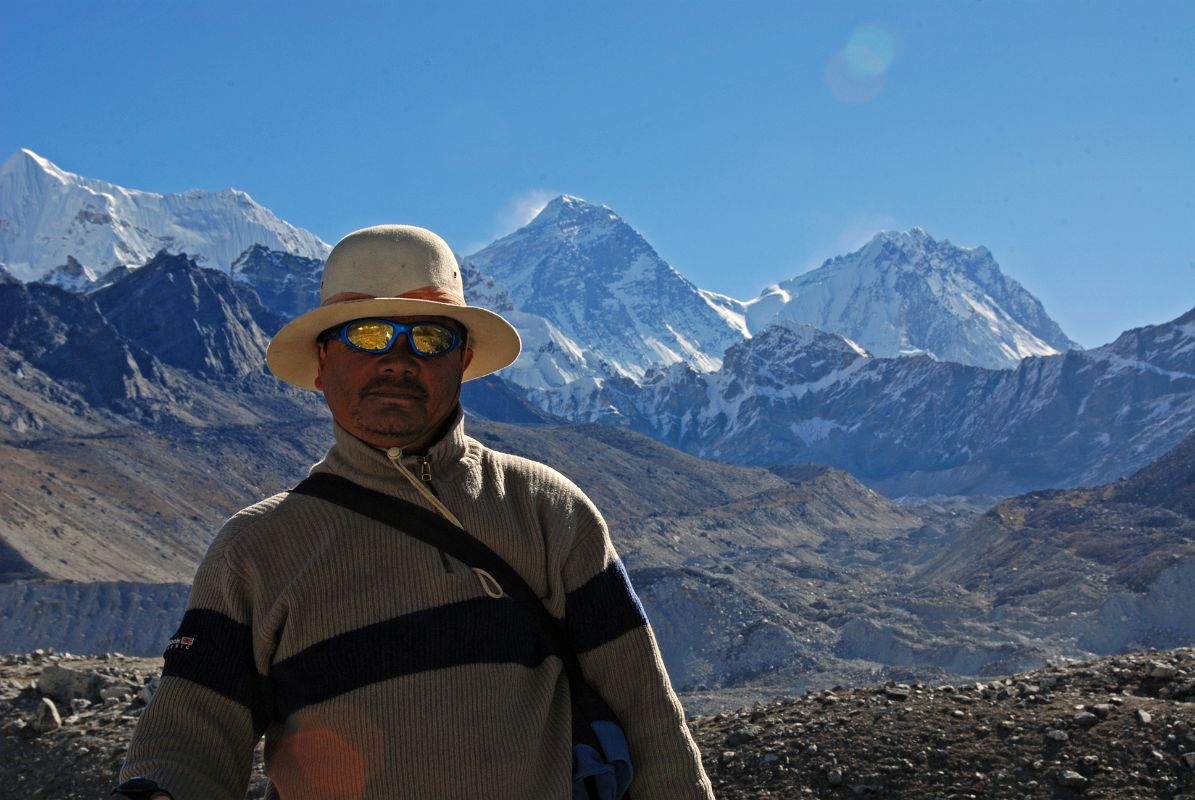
(14, 566)
(67, 337)
(188, 317)
(90, 617)
(287, 284)
(1169, 482)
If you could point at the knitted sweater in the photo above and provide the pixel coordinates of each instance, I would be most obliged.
(393, 674)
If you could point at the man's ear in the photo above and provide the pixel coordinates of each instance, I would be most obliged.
(319, 374)
(466, 357)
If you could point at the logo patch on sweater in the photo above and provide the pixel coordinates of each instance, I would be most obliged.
(181, 643)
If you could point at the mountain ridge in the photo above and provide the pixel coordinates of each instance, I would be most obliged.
(48, 214)
(906, 293)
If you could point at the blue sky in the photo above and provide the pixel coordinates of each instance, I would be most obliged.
(747, 141)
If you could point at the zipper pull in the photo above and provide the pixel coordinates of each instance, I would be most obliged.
(425, 469)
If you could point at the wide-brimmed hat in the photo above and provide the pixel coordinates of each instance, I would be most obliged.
(391, 271)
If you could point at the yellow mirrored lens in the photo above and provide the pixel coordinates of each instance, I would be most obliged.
(431, 339)
(370, 335)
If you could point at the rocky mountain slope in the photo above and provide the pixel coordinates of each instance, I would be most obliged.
(762, 583)
(914, 426)
(143, 407)
(1113, 565)
(909, 294)
(1119, 728)
(287, 284)
(48, 215)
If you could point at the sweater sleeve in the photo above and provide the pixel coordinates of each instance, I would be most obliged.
(620, 659)
(196, 736)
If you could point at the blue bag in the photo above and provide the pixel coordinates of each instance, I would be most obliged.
(603, 772)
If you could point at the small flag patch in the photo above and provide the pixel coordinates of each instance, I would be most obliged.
(181, 642)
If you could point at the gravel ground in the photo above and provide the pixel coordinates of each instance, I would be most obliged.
(1120, 727)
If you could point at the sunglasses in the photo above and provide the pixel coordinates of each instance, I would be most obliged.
(377, 336)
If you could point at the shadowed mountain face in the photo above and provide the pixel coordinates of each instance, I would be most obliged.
(287, 284)
(66, 337)
(187, 317)
(137, 419)
(1168, 483)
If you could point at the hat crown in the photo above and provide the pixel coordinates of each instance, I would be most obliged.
(392, 261)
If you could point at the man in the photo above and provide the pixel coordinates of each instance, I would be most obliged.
(375, 665)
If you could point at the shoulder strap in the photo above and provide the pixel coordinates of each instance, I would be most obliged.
(428, 526)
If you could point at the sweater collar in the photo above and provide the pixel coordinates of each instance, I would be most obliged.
(369, 466)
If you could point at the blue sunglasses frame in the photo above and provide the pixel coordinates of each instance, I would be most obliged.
(398, 329)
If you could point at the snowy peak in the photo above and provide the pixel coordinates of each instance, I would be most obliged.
(29, 163)
(71, 276)
(568, 211)
(49, 215)
(905, 293)
(601, 287)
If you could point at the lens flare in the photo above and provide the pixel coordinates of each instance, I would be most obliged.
(856, 73)
(869, 51)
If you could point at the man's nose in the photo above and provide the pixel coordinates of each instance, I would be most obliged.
(400, 357)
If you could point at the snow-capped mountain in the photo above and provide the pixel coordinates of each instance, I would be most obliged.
(48, 215)
(606, 299)
(909, 294)
(919, 426)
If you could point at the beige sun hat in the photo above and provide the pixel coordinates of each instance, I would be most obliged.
(391, 271)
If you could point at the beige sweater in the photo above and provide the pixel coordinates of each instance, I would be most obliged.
(393, 674)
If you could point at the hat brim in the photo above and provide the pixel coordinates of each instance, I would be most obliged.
(293, 355)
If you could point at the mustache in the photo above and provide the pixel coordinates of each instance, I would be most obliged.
(386, 384)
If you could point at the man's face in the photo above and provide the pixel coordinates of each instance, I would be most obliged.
(396, 399)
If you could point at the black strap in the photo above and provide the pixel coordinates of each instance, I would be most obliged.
(435, 530)
(430, 527)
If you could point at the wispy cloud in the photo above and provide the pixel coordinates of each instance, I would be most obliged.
(516, 212)
(850, 237)
(521, 209)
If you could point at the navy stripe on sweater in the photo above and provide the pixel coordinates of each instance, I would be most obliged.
(603, 609)
(216, 651)
(478, 631)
